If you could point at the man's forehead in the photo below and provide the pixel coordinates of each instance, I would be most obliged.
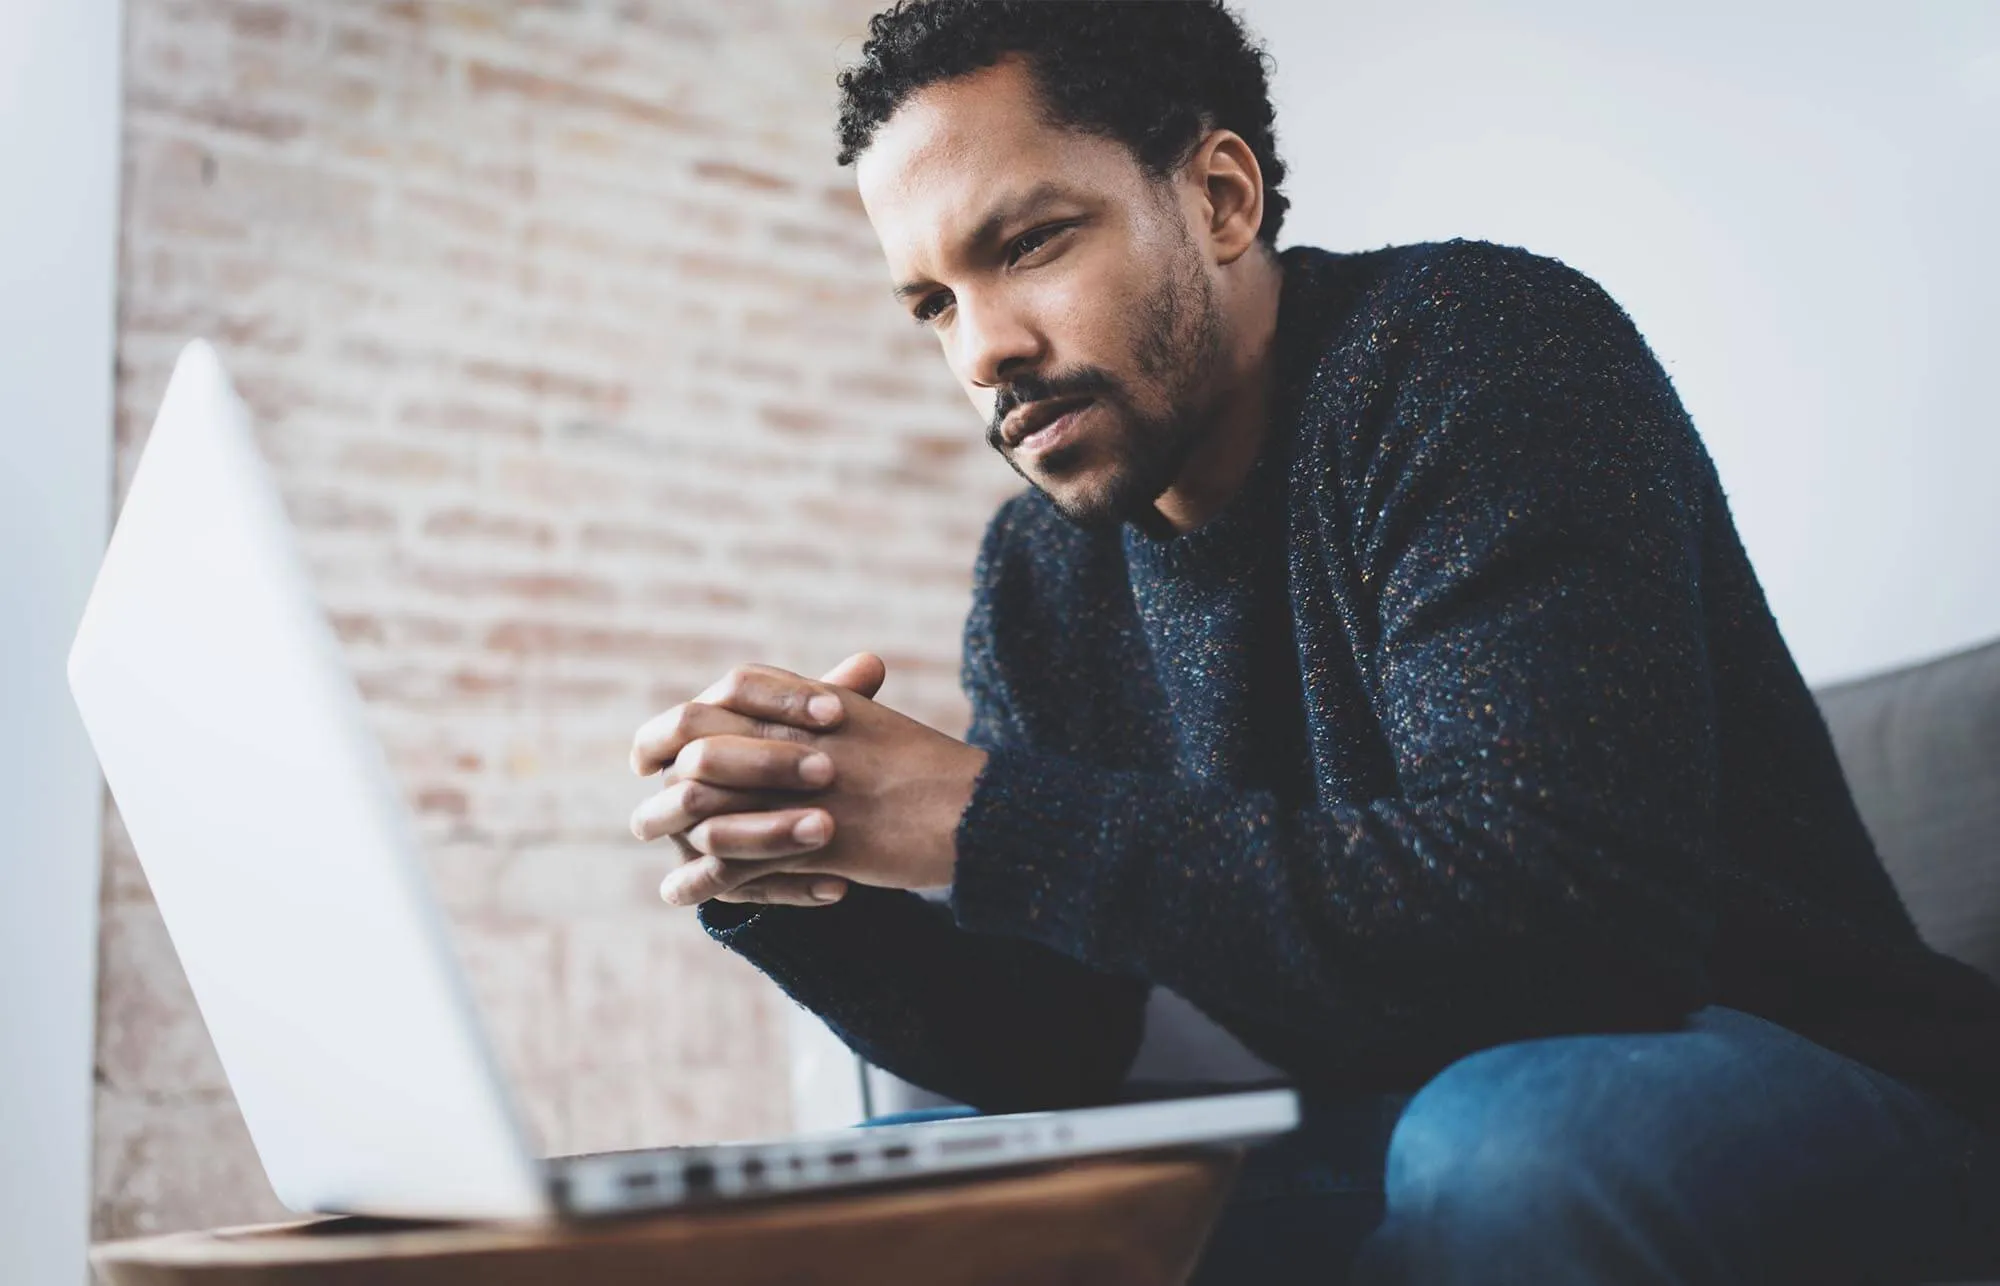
(955, 125)
(962, 154)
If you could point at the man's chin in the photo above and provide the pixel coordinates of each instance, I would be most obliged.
(1096, 504)
(1094, 488)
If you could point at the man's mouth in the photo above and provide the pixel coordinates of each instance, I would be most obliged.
(1041, 427)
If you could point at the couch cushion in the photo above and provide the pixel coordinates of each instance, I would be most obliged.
(1921, 748)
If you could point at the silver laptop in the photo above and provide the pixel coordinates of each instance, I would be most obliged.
(283, 859)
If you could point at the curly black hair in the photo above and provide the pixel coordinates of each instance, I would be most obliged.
(1155, 75)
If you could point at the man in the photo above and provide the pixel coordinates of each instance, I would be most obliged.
(1372, 661)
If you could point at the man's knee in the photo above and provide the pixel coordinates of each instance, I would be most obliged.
(1712, 1153)
(1496, 1140)
(1551, 1157)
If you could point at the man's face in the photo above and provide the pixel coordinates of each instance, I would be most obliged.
(1064, 282)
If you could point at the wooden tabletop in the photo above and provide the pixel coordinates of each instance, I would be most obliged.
(1121, 1221)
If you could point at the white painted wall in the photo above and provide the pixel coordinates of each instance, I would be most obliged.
(59, 97)
(1798, 204)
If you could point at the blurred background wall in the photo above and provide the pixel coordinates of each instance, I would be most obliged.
(576, 358)
(573, 352)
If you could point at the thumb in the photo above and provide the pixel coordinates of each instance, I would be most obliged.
(863, 673)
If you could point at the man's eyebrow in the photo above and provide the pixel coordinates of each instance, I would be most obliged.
(1002, 213)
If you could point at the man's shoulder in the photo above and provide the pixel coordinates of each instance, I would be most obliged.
(1028, 542)
(1459, 281)
(1039, 578)
(1447, 312)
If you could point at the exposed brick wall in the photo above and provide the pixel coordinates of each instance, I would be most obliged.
(574, 353)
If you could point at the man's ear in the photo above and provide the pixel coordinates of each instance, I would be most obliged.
(1232, 187)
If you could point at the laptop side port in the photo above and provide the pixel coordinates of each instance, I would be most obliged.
(977, 1143)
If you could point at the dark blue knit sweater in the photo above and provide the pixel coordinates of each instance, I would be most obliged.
(1464, 722)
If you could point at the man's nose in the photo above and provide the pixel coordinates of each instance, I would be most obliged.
(995, 344)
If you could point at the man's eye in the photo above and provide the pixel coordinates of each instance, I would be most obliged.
(929, 307)
(1030, 241)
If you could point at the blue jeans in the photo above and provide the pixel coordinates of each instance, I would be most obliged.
(1731, 1150)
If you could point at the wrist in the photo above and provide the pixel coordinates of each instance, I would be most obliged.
(969, 763)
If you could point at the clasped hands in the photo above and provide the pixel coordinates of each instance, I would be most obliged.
(778, 789)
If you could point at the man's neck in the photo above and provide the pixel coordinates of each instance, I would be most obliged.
(1216, 470)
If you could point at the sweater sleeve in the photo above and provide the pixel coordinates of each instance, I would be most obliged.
(995, 1021)
(1519, 510)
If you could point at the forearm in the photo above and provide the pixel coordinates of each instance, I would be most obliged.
(1359, 921)
(997, 1022)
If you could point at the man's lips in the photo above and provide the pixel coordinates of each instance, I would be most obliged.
(1038, 426)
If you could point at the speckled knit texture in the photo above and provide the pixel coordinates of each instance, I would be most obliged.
(1466, 721)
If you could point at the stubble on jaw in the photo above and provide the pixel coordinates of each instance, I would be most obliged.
(1179, 347)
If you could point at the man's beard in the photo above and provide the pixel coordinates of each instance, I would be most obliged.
(1180, 345)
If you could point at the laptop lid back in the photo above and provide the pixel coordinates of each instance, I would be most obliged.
(277, 845)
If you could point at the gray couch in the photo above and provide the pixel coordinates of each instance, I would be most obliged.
(1921, 748)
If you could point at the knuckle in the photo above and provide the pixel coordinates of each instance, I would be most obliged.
(772, 731)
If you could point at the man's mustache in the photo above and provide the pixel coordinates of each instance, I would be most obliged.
(1087, 381)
